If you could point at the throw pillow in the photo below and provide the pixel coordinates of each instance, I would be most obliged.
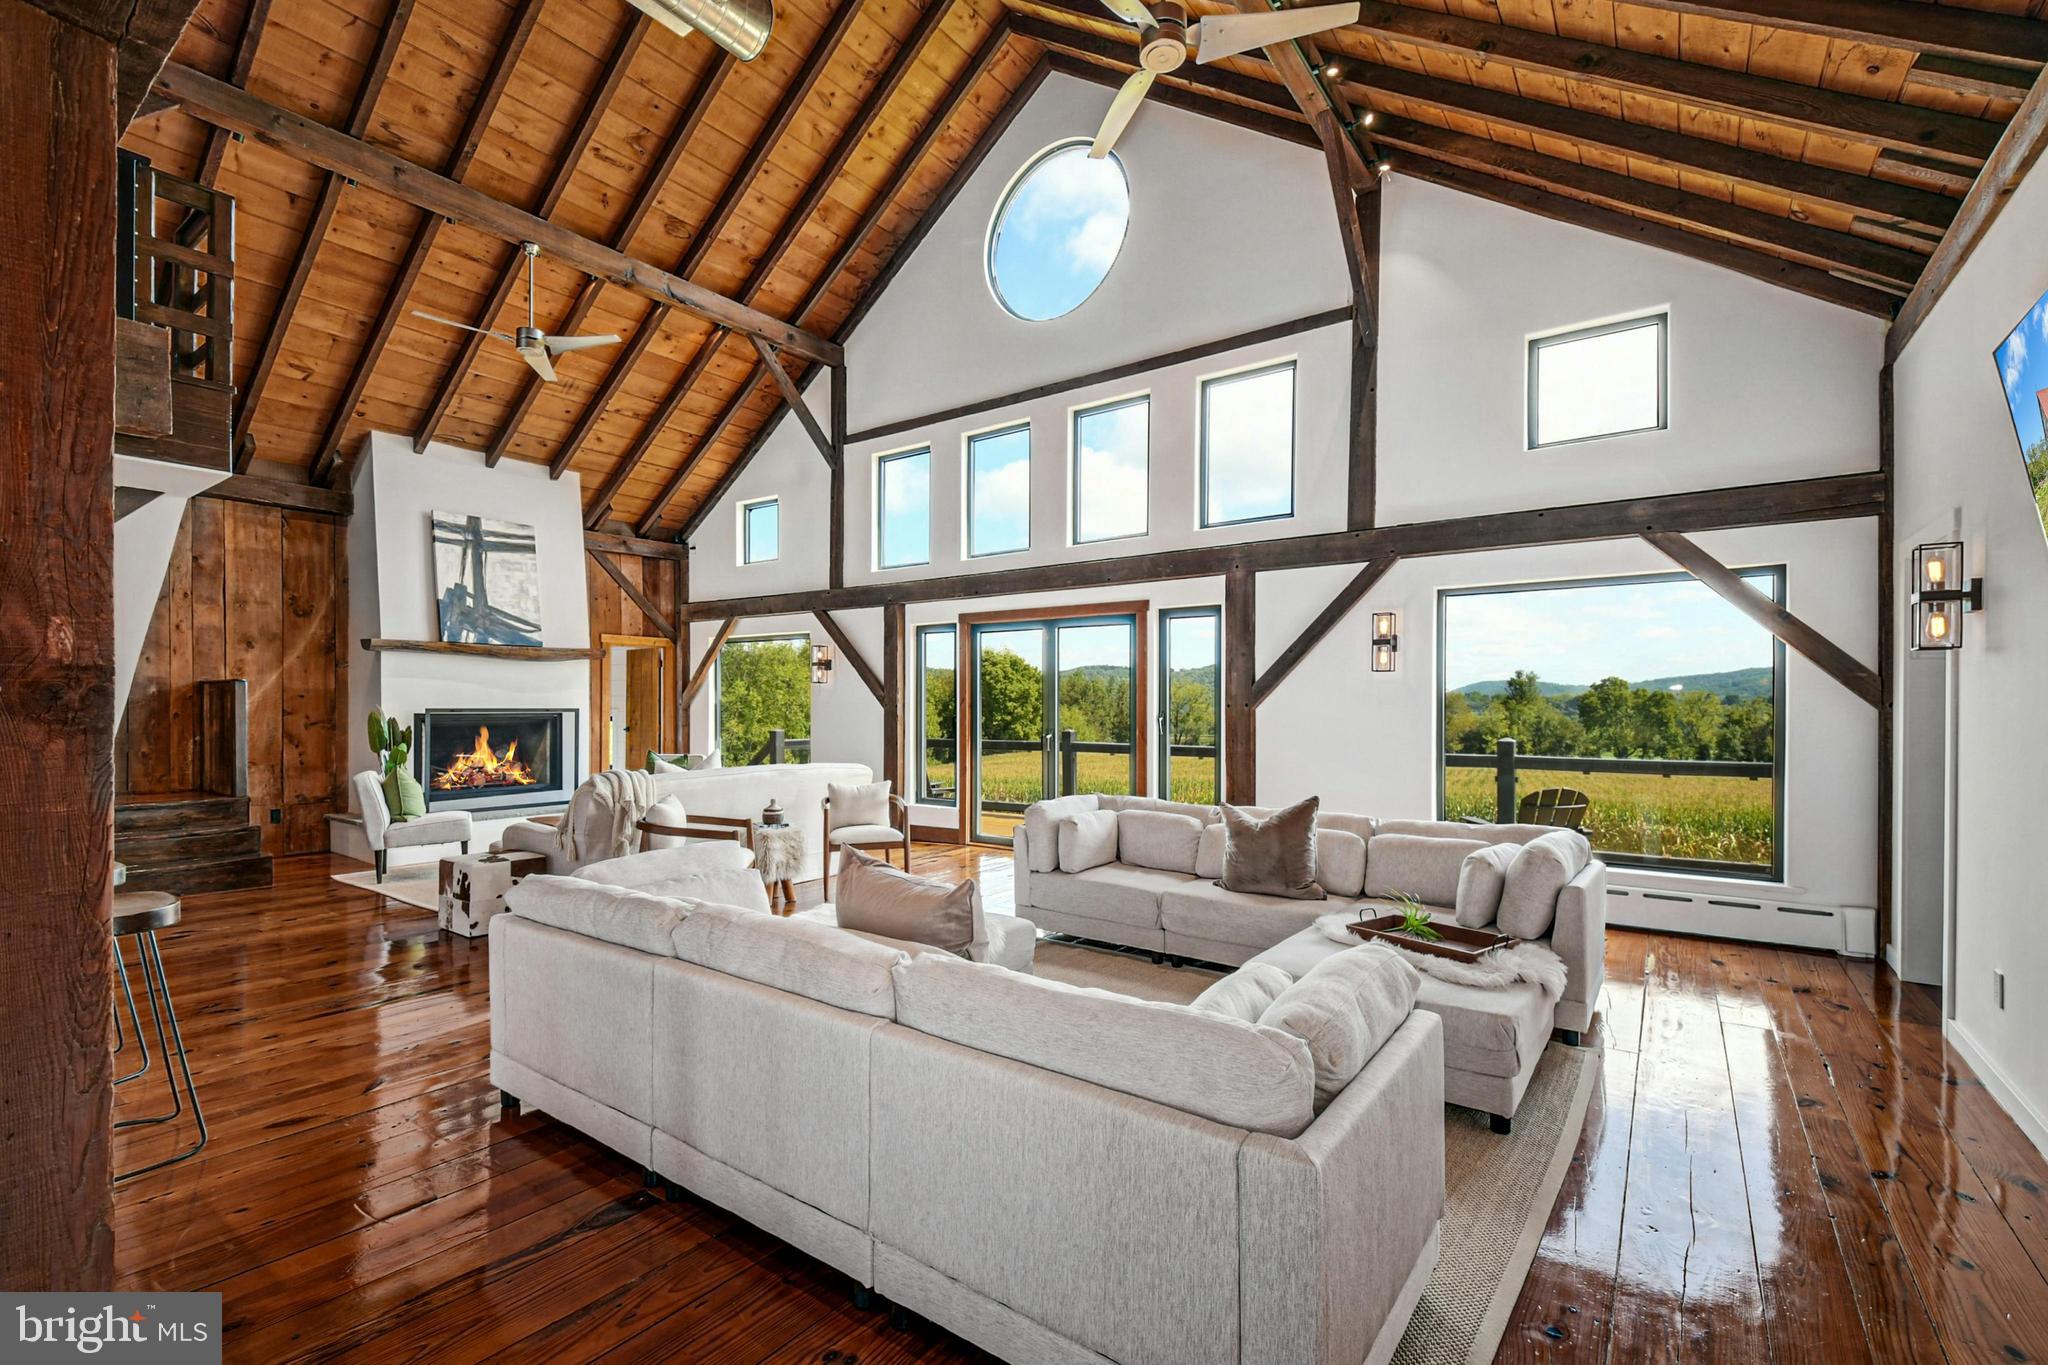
(1481, 878)
(1416, 865)
(1272, 855)
(1157, 838)
(1528, 902)
(402, 795)
(1087, 840)
(1340, 861)
(667, 811)
(874, 898)
(657, 763)
(865, 803)
(1245, 993)
(1209, 856)
(1345, 1008)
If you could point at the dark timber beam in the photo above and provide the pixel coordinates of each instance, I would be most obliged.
(1822, 652)
(868, 677)
(2017, 151)
(316, 233)
(702, 673)
(792, 396)
(1769, 504)
(216, 148)
(427, 233)
(1362, 478)
(1340, 606)
(1349, 168)
(1240, 701)
(283, 494)
(835, 574)
(217, 102)
(632, 591)
(892, 701)
(619, 543)
(1942, 29)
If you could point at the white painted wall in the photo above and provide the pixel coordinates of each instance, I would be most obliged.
(1957, 459)
(1765, 383)
(391, 585)
(143, 543)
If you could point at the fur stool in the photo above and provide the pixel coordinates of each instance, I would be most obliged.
(778, 856)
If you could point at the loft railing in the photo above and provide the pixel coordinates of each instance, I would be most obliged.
(176, 272)
(782, 749)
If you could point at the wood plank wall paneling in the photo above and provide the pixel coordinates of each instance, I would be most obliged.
(613, 613)
(56, 651)
(258, 593)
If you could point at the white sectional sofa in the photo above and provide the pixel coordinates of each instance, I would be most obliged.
(1054, 1174)
(1161, 894)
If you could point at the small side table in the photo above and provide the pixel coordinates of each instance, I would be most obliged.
(473, 888)
(778, 853)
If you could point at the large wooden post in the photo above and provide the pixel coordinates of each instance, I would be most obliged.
(1240, 704)
(57, 145)
(893, 675)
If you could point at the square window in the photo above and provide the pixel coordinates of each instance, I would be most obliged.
(1597, 381)
(1248, 446)
(999, 492)
(1112, 452)
(761, 531)
(903, 509)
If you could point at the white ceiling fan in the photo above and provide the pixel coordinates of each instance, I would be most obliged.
(1166, 39)
(535, 347)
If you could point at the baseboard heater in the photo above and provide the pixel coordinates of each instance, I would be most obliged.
(1850, 930)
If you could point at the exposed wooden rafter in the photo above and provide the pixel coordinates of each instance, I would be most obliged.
(1349, 169)
(1946, 30)
(1304, 644)
(794, 398)
(851, 654)
(702, 673)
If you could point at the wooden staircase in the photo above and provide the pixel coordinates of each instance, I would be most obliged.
(187, 842)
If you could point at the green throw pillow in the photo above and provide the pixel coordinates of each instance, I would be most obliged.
(403, 795)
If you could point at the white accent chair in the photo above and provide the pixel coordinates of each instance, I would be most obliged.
(842, 832)
(385, 834)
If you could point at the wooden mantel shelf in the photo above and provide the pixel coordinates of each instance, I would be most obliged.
(482, 651)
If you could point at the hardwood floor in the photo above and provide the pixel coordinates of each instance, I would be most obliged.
(1784, 1163)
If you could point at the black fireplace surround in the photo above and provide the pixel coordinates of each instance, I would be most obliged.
(484, 759)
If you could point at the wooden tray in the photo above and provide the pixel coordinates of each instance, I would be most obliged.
(1459, 943)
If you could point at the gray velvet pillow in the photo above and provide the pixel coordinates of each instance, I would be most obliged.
(874, 898)
(1274, 855)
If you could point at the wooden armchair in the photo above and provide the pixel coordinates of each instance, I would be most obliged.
(1559, 806)
(867, 837)
(700, 827)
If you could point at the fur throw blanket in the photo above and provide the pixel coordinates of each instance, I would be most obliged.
(1501, 967)
(612, 803)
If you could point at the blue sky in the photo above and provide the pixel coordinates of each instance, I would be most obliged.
(906, 509)
(999, 492)
(1250, 420)
(2023, 368)
(1581, 635)
(1059, 233)
(1110, 470)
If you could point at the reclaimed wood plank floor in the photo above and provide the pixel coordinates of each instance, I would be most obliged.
(1784, 1162)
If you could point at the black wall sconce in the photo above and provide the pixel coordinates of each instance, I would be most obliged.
(1386, 642)
(1942, 595)
(821, 665)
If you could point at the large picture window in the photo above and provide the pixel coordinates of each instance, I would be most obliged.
(1652, 698)
(764, 685)
(999, 491)
(1112, 452)
(938, 716)
(1248, 446)
(1597, 381)
(903, 509)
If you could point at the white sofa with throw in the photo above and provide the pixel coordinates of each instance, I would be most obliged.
(422, 831)
(1161, 894)
(1054, 1174)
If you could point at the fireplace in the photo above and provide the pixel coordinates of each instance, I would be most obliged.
(489, 759)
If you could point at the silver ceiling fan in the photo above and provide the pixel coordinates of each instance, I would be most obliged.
(1166, 40)
(535, 347)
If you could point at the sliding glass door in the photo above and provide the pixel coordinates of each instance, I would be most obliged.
(1190, 705)
(1055, 713)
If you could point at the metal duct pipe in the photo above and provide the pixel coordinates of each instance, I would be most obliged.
(741, 27)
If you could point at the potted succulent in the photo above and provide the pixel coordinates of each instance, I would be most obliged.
(392, 743)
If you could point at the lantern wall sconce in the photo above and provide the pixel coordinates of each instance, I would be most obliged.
(1942, 595)
(1386, 641)
(821, 665)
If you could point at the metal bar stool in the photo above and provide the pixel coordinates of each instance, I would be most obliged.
(138, 915)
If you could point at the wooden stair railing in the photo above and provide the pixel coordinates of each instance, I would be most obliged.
(177, 273)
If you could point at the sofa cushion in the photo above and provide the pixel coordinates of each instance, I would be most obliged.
(1272, 855)
(804, 957)
(740, 888)
(1157, 838)
(1488, 1032)
(1340, 861)
(1246, 992)
(1481, 878)
(1458, 829)
(1207, 815)
(1224, 1070)
(1344, 1009)
(1211, 911)
(875, 898)
(666, 864)
(1042, 827)
(859, 803)
(1416, 865)
(1528, 901)
(1087, 839)
(1209, 853)
(1117, 893)
(615, 914)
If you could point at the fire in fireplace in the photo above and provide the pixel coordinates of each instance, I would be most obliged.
(483, 758)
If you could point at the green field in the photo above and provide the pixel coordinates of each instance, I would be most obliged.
(1016, 777)
(1725, 819)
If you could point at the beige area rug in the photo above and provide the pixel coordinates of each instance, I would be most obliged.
(417, 885)
(1498, 1190)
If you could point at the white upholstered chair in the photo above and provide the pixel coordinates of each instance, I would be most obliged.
(856, 830)
(384, 833)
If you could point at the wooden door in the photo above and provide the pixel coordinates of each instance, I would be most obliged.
(643, 704)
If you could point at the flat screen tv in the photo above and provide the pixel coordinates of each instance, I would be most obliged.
(2023, 368)
(487, 581)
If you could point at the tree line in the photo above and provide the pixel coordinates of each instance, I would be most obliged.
(1611, 719)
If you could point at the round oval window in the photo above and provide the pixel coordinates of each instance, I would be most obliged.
(1058, 231)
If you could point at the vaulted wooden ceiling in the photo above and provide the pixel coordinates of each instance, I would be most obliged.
(1823, 144)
